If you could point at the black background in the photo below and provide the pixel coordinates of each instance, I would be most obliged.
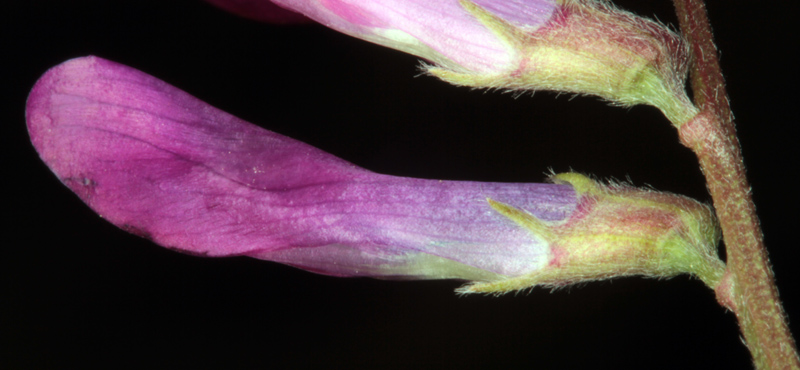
(76, 291)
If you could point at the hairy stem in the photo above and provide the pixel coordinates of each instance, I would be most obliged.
(748, 288)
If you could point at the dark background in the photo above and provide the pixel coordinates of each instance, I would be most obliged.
(76, 291)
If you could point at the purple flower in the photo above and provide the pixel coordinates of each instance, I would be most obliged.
(161, 164)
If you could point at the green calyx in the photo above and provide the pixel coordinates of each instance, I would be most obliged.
(615, 231)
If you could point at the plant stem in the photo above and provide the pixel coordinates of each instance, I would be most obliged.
(748, 288)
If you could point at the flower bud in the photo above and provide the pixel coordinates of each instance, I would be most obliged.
(159, 163)
(574, 46)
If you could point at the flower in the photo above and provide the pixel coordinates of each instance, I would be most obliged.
(575, 46)
(161, 164)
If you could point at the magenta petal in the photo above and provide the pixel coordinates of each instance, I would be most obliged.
(260, 10)
(157, 162)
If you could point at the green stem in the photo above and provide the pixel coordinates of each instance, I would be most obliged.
(748, 288)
